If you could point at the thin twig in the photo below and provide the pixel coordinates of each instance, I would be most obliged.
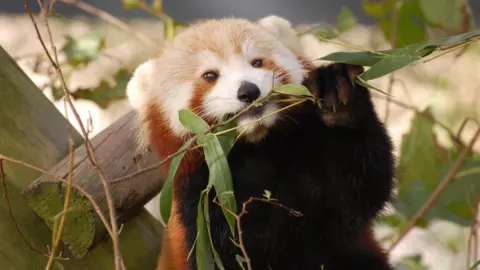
(473, 236)
(393, 40)
(429, 117)
(244, 212)
(10, 211)
(167, 20)
(109, 18)
(119, 264)
(68, 192)
(440, 188)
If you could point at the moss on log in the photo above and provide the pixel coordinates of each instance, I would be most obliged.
(115, 150)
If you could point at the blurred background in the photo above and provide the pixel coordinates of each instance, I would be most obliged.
(100, 53)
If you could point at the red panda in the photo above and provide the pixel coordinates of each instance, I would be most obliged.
(331, 161)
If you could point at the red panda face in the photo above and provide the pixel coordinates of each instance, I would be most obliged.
(217, 68)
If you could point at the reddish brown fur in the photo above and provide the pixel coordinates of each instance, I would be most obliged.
(201, 88)
(165, 143)
(174, 252)
(371, 243)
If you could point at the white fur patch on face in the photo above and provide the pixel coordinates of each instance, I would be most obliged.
(143, 88)
(255, 128)
(173, 102)
(236, 68)
(222, 98)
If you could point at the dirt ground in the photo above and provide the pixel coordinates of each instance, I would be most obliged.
(450, 85)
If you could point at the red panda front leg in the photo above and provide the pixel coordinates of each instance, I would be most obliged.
(342, 101)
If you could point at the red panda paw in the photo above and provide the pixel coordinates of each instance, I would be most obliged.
(341, 100)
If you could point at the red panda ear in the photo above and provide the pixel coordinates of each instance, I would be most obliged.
(138, 87)
(283, 31)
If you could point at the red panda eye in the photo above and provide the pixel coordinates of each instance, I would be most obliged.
(210, 76)
(257, 63)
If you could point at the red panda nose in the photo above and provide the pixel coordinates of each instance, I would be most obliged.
(248, 92)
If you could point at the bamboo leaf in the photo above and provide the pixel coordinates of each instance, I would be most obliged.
(202, 247)
(227, 139)
(385, 62)
(206, 214)
(220, 176)
(241, 261)
(193, 122)
(293, 89)
(356, 58)
(219, 172)
(166, 194)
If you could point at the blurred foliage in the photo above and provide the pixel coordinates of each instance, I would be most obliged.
(80, 51)
(417, 30)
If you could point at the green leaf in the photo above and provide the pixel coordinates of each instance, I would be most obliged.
(357, 58)
(104, 94)
(345, 19)
(322, 32)
(378, 10)
(82, 50)
(220, 176)
(385, 62)
(423, 165)
(241, 261)
(130, 4)
(267, 194)
(166, 194)
(457, 201)
(419, 166)
(448, 14)
(206, 214)
(453, 40)
(410, 27)
(227, 139)
(293, 89)
(203, 251)
(193, 122)
(398, 59)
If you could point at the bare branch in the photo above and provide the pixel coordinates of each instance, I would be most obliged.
(68, 192)
(440, 188)
(119, 264)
